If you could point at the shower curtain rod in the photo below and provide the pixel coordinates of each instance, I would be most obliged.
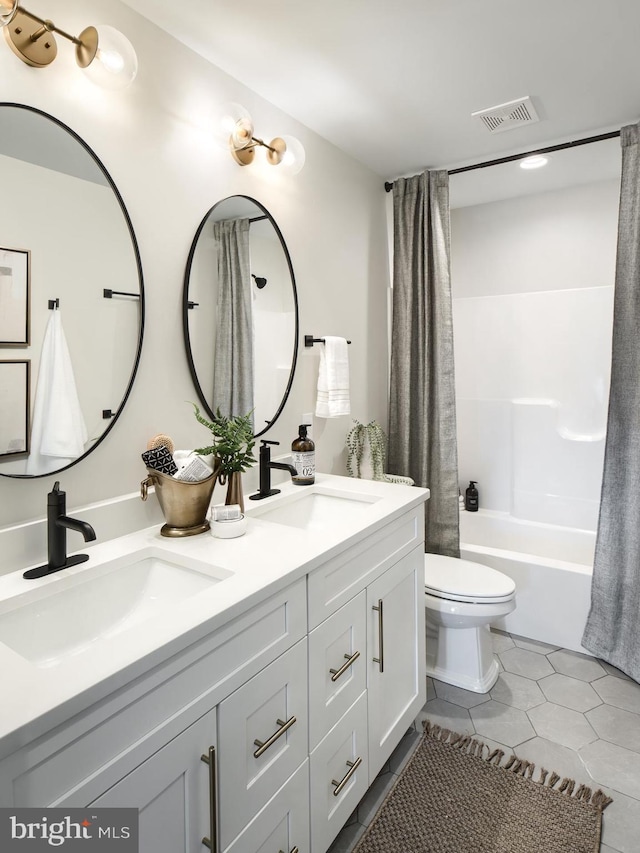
(561, 146)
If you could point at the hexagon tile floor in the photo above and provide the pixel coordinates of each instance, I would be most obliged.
(565, 711)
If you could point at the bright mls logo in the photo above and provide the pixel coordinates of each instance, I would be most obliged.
(101, 830)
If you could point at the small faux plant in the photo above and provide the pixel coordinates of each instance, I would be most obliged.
(232, 441)
(356, 440)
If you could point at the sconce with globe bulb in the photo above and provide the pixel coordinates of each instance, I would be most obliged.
(235, 132)
(105, 54)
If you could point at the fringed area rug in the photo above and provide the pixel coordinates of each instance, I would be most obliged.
(455, 796)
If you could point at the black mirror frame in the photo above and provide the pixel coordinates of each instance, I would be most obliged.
(136, 252)
(185, 312)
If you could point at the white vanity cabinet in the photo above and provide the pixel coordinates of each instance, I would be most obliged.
(263, 739)
(172, 791)
(366, 666)
(396, 642)
(143, 745)
(263, 733)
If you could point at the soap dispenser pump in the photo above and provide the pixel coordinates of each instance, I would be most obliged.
(303, 453)
(471, 497)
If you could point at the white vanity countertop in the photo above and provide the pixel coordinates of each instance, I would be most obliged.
(270, 556)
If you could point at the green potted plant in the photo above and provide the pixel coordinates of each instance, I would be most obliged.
(232, 444)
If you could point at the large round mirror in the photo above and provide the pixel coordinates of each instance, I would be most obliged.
(71, 296)
(240, 313)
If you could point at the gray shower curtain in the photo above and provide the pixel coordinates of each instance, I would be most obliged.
(422, 413)
(613, 625)
(233, 365)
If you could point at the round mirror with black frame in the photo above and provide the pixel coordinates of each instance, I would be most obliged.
(240, 313)
(71, 296)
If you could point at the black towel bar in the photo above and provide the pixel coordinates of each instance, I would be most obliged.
(109, 294)
(309, 340)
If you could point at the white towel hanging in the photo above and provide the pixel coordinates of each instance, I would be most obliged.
(59, 432)
(333, 379)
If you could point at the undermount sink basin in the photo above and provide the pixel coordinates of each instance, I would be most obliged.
(318, 510)
(62, 620)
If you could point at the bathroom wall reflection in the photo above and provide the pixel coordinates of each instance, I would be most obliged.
(59, 205)
(240, 312)
(533, 266)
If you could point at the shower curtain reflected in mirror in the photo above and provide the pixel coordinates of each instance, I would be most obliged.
(233, 358)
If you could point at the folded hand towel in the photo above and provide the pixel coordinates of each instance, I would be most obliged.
(333, 379)
(59, 429)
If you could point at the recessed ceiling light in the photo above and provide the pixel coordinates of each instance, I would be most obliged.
(534, 162)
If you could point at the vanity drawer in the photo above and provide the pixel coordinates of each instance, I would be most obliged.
(339, 579)
(337, 666)
(263, 738)
(283, 824)
(339, 775)
(114, 736)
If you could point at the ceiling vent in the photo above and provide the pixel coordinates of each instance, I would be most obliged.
(507, 116)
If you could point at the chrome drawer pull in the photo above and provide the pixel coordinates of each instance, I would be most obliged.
(264, 746)
(353, 766)
(210, 759)
(336, 673)
(380, 660)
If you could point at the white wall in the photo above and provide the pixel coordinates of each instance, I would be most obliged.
(532, 283)
(273, 321)
(155, 140)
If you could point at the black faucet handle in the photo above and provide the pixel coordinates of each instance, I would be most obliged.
(57, 498)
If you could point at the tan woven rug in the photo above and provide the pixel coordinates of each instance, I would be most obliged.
(455, 796)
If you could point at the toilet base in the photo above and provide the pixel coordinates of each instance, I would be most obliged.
(462, 657)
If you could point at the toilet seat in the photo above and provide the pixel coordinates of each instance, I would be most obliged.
(453, 579)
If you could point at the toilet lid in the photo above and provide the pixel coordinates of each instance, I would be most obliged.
(464, 580)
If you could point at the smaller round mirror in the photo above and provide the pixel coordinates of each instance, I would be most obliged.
(240, 313)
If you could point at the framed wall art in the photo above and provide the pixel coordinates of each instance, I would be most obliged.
(15, 379)
(15, 293)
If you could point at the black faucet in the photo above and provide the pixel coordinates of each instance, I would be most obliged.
(57, 524)
(266, 465)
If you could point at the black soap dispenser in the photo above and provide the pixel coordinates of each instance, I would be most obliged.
(471, 497)
(303, 455)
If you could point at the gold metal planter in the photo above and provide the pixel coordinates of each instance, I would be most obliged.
(184, 505)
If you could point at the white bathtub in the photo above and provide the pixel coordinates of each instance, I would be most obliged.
(551, 567)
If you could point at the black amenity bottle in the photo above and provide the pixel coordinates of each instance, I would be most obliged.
(471, 497)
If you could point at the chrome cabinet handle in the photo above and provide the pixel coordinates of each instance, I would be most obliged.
(351, 659)
(210, 759)
(380, 660)
(353, 766)
(264, 746)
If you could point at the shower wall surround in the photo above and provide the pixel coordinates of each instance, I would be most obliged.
(532, 304)
(155, 139)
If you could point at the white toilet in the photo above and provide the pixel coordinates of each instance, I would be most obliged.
(462, 598)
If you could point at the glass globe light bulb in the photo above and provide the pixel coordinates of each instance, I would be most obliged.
(293, 158)
(8, 9)
(234, 127)
(114, 64)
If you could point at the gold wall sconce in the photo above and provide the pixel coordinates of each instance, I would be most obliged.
(235, 132)
(104, 54)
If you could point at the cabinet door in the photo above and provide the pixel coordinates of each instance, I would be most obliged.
(396, 655)
(337, 666)
(339, 775)
(262, 739)
(283, 824)
(171, 790)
